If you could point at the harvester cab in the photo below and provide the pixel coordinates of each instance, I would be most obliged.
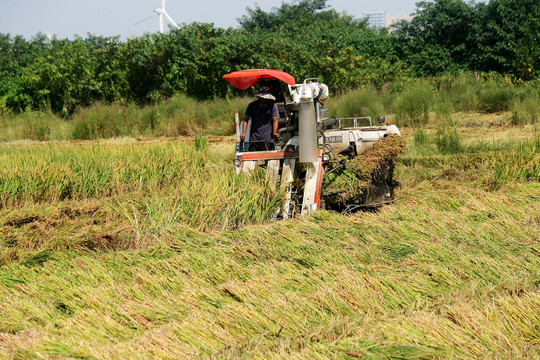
(316, 156)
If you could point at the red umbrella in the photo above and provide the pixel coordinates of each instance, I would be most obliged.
(245, 78)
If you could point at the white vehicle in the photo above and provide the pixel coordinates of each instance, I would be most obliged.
(311, 146)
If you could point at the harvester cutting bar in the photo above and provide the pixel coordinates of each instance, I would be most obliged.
(268, 155)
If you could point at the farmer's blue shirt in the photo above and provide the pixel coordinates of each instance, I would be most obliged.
(261, 119)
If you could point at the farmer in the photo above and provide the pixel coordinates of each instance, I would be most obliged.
(263, 114)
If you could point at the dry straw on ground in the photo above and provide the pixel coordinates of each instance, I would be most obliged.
(165, 254)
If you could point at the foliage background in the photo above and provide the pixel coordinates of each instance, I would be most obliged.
(305, 38)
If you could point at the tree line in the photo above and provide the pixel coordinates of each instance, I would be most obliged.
(305, 38)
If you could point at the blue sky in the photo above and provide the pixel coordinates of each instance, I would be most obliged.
(118, 17)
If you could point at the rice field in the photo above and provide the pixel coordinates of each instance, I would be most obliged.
(129, 249)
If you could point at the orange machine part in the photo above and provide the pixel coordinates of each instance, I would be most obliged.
(245, 78)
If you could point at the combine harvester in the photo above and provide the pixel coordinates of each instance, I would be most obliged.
(320, 161)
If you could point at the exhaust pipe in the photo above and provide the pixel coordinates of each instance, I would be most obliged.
(327, 123)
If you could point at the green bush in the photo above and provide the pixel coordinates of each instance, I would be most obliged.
(494, 97)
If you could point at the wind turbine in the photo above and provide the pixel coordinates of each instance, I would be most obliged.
(160, 12)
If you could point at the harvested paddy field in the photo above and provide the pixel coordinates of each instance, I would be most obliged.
(156, 249)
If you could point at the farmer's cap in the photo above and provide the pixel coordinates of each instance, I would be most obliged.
(264, 92)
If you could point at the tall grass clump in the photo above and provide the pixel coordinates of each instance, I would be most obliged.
(495, 97)
(470, 92)
(412, 106)
(221, 114)
(519, 162)
(361, 102)
(444, 109)
(182, 115)
(102, 121)
(201, 143)
(526, 107)
(420, 137)
(33, 125)
(462, 92)
(179, 115)
(448, 141)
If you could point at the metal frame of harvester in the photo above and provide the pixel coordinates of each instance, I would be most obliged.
(311, 142)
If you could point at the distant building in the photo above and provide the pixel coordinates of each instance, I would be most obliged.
(391, 19)
(376, 19)
(380, 19)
